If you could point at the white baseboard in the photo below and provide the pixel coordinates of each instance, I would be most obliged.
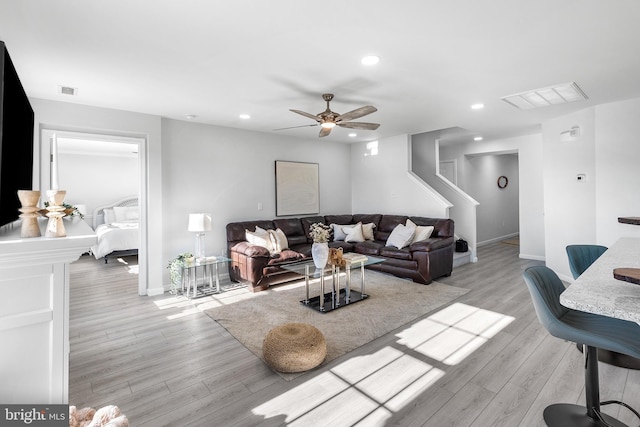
(533, 257)
(498, 239)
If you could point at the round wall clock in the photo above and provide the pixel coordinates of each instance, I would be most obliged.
(503, 181)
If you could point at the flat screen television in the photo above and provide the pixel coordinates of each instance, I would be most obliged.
(16, 139)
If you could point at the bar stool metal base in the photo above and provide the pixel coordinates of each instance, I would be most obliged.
(566, 414)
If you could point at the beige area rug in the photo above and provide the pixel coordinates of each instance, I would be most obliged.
(392, 303)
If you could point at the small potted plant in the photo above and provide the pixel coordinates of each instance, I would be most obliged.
(320, 234)
(175, 269)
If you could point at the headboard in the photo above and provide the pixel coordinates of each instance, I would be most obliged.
(98, 213)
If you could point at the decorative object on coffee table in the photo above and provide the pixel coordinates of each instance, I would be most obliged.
(55, 226)
(294, 347)
(29, 200)
(320, 233)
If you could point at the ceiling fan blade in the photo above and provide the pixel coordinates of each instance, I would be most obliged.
(301, 126)
(359, 125)
(324, 132)
(309, 115)
(358, 112)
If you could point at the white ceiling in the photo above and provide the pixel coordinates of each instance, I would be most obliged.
(218, 59)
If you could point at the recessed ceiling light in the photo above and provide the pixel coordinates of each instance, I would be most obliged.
(552, 95)
(245, 116)
(478, 106)
(370, 60)
(477, 138)
(353, 135)
(190, 116)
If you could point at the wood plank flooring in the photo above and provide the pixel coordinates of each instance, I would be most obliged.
(165, 363)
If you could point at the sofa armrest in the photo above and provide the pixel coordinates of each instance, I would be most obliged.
(250, 250)
(431, 244)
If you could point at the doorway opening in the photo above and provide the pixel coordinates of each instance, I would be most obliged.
(97, 170)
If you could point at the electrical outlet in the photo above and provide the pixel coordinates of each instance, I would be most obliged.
(259, 206)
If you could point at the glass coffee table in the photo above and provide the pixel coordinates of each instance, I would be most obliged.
(336, 298)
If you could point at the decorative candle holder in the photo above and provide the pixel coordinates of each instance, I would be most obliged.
(55, 226)
(29, 200)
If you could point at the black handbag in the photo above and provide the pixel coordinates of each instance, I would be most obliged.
(462, 245)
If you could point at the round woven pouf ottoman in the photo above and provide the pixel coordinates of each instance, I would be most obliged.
(294, 347)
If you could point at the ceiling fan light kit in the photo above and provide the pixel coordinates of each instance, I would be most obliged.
(329, 119)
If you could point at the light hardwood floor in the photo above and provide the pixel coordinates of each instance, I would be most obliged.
(163, 362)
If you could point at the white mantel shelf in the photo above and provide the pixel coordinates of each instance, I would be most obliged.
(34, 312)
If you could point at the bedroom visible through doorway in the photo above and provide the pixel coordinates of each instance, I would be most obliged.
(99, 171)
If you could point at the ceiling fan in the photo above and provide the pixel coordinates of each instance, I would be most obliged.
(329, 119)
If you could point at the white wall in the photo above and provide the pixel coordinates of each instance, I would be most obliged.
(89, 179)
(229, 172)
(382, 182)
(81, 118)
(498, 212)
(617, 135)
(607, 151)
(530, 183)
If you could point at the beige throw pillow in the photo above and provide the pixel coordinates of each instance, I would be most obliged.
(423, 232)
(259, 237)
(367, 230)
(278, 240)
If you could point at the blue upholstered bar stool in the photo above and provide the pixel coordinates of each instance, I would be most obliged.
(593, 330)
(582, 256)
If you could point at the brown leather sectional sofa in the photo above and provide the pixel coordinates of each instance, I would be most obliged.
(421, 262)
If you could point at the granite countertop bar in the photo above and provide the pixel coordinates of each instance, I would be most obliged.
(596, 291)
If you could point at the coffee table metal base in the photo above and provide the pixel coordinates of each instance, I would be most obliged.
(331, 304)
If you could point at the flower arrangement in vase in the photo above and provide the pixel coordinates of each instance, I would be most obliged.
(320, 233)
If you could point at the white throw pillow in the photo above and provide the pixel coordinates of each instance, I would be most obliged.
(401, 236)
(338, 233)
(354, 233)
(260, 237)
(367, 230)
(278, 240)
(423, 232)
(126, 213)
(109, 216)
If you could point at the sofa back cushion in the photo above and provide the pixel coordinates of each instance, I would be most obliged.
(442, 227)
(306, 225)
(292, 228)
(387, 224)
(236, 230)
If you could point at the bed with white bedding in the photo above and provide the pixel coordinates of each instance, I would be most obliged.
(117, 228)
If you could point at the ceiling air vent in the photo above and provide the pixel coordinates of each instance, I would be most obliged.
(67, 90)
(552, 95)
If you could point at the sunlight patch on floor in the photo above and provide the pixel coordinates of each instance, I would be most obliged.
(453, 333)
(367, 390)
(363, 390)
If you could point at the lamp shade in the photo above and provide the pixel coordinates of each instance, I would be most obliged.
(199, 222)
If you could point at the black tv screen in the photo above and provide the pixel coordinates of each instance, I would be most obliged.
(16, 139)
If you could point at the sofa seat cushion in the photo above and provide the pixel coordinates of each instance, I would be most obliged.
(285, 257)
(304, 249)
(346, 246)
(431, 244)
(393, 252)
(369, 247)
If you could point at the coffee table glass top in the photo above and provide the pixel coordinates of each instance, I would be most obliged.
(301, 267)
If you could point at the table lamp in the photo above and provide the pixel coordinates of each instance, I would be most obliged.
(199, 223)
